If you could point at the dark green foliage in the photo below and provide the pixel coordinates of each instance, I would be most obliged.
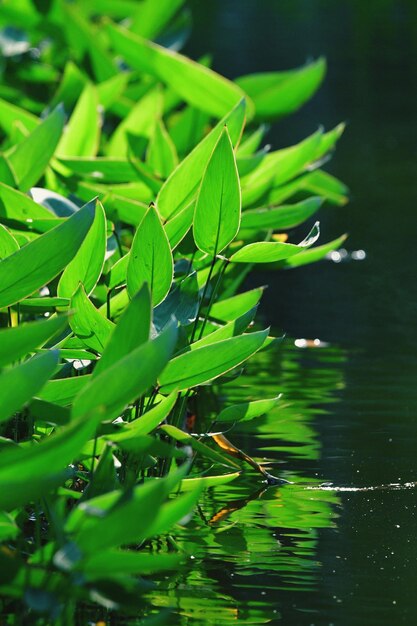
(133, 235)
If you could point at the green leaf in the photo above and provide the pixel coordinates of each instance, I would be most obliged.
(252, 141)
(10, 114)
(41, 260)
(198, 85)
(217, 210)
(281, 217)
(132, 330)
(278, 167)
(140, 121)
(22, 382)
(29, 158)
(87, 323)
(314, 254)
(117, 274)
(8, 527)
(110, 90)
(151, 17)
(26, 474)
(141, 445)
(177, 227)
(82, 134)
(103, 169)
(204, 364)
(87, 265)
(276, 94)
(247, 164)
(161, 155)
(147, 422)
(20, 207)
(325, 185)
(112, 389)
(8, 244)
(181, 187)
(172, 512)
(181, 303)
(150, 258)
(195, 444)
(127, 521)
(113, 563)
(187, 128)
(208, 481)
(45, 303)
(48, 412)
(72, 83)
(25, 338)
(232, 329)
(232, 308)
(62, 391)
(83, 37)
(265, 252)
(247, 410)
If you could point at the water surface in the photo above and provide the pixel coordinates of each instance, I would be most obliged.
(293, 555)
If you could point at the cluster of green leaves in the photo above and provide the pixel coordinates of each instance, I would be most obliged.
(134, 199)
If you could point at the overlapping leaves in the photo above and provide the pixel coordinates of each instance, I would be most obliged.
(153, 200)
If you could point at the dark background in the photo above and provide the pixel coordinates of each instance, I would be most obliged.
(366, 308)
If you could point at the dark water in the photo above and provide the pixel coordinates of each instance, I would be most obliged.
(306, 556)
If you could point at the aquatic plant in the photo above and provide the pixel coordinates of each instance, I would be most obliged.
(117, 311)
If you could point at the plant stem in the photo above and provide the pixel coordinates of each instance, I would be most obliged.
(200, 306)
(213, 295)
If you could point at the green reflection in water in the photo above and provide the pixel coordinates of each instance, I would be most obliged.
(249, 544)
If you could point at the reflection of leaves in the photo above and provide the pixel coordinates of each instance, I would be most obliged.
(233, 506)
(307, 380)
(273, 531)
